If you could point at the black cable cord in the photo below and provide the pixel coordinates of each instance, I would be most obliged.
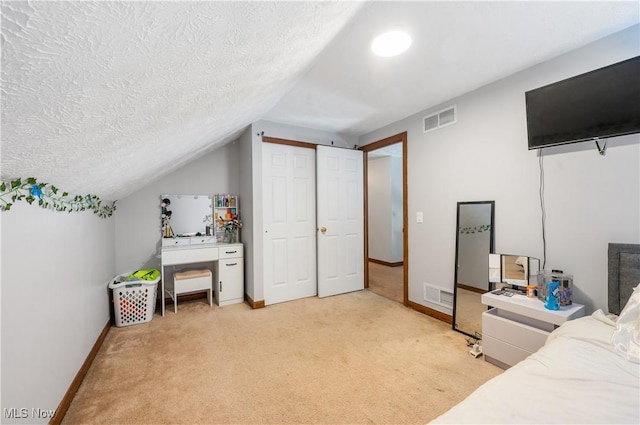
(473, 340)
(543, 214)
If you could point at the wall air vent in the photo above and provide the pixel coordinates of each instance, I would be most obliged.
(440, 119)
(437, 295)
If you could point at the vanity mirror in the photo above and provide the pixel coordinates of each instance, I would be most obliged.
(190, 215)
(474, 242)
(515, 271)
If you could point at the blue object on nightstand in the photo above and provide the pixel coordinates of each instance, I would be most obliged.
(553, 289)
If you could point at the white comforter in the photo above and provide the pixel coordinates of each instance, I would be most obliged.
(577, 377)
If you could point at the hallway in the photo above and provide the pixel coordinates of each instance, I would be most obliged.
(386, 281)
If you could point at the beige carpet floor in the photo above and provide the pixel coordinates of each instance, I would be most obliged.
(356, 358)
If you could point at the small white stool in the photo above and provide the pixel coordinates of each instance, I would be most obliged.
(187, 281)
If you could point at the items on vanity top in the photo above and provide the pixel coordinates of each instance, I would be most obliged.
(220, 201)
(165, 217)
(185, 241)
(186, 215)
(201, 215)
(226, 217)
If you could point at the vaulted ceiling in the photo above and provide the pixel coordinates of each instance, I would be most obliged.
(104, 97)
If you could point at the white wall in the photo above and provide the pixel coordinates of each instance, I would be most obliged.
(246, 172)
(590, 200)
(138, 230)
(385, 208)
(55, 271)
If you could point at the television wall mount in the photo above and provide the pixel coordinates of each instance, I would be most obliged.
(601, 150)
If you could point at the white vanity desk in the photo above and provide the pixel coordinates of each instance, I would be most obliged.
(225, 261)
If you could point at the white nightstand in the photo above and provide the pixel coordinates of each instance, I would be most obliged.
(518, 326)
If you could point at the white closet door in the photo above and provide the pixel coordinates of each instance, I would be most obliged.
(289, 218)
(340, 220)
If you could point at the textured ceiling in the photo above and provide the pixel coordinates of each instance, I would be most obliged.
(104, 97)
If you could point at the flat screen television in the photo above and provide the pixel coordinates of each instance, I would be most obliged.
(598, 104)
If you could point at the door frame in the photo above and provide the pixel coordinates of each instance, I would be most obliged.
(391, 140)
(314, 146)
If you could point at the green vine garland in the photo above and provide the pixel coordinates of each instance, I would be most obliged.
(48, 196)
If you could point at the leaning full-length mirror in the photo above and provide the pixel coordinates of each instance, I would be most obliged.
(474, 242)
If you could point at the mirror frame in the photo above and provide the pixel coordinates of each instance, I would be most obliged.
(491, 250)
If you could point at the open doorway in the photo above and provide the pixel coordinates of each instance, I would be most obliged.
(386, 245)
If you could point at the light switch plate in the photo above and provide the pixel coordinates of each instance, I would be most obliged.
(419, 217)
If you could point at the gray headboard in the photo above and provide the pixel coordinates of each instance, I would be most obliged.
(624, 274)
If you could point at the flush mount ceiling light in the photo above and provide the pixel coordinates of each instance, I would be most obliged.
(391, 43)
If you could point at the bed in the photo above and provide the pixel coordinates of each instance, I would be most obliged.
(588, 371)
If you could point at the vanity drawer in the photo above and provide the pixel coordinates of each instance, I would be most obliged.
(189, 255)
(199, 240)
(175, 241)
(231, 251)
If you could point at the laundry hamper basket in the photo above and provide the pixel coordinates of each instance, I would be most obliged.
(134, 299)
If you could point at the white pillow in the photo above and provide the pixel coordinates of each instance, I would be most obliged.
(626, 337)
(608, 319)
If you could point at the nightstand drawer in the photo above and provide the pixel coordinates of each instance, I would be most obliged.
(502, 351)
(517, 334)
